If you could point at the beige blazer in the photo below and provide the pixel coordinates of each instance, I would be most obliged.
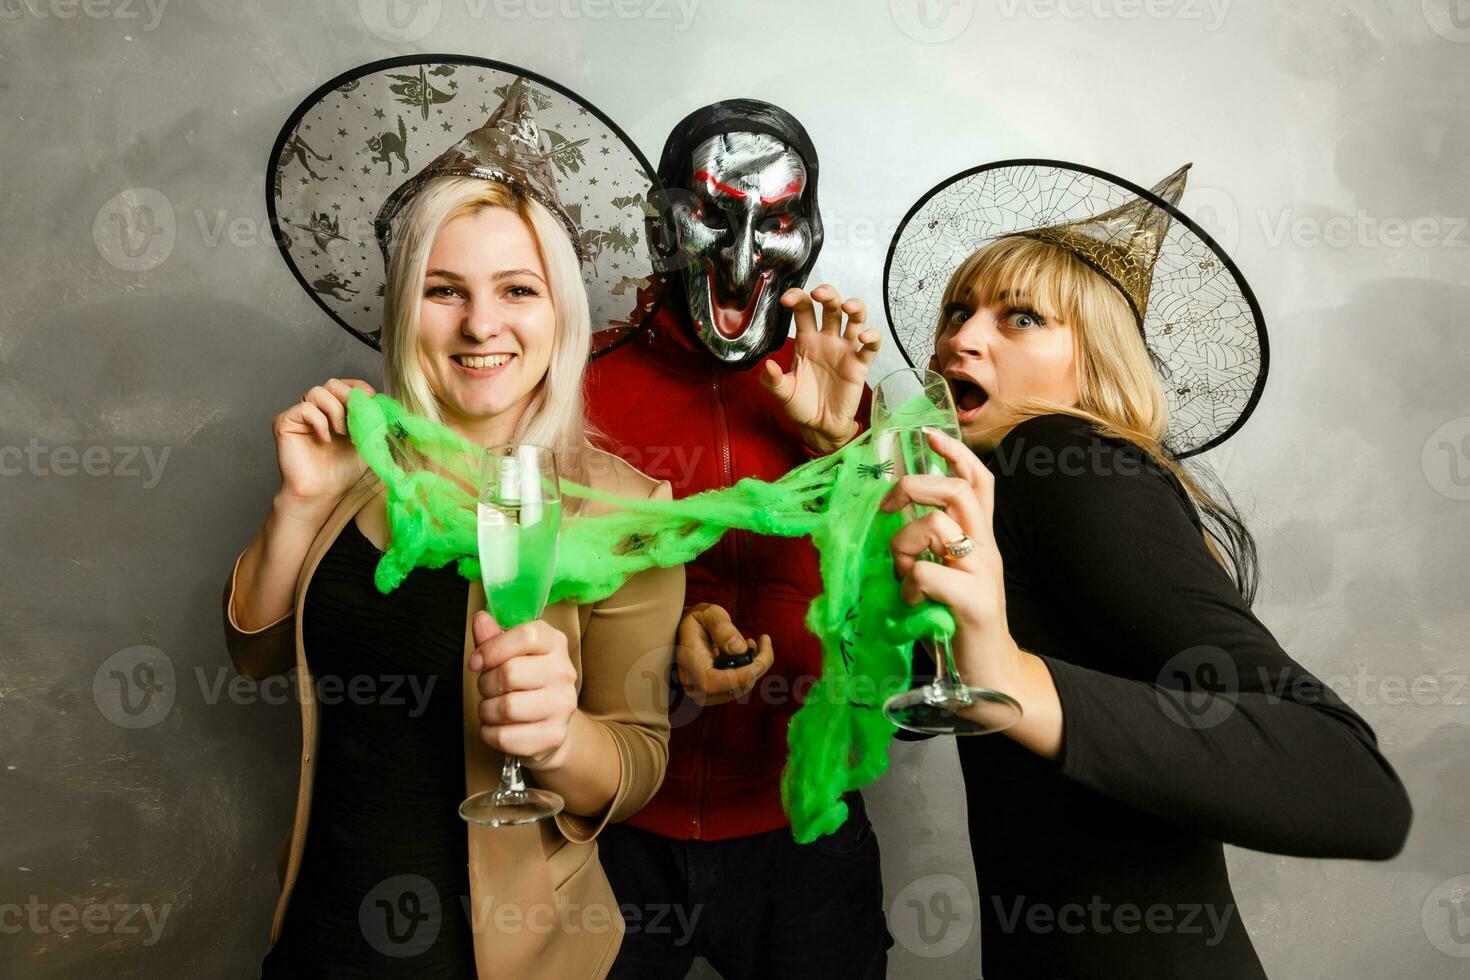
(540, 903)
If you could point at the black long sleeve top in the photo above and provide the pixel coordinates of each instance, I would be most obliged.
(1186, 726)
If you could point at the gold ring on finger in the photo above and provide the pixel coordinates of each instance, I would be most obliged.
(957, 548)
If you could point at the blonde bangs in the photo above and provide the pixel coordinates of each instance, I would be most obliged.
(556, 417)
(1028, 272)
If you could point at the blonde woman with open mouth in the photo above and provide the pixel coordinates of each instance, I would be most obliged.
(1092, 338)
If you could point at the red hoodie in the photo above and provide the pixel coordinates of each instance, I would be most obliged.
(675, 412)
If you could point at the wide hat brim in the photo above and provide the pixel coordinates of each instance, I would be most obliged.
(361, 136)
(1203, 326)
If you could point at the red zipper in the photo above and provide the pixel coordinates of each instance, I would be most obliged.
(731, 547)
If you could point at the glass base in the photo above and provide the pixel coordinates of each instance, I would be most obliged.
(934, 710)
(509, 807)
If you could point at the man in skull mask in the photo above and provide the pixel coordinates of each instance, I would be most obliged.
(709, 867)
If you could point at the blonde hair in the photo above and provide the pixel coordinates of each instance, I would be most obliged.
(556, 417)
(1118, 390)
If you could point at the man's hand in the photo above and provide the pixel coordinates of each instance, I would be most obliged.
(824, 387)
(704, 633)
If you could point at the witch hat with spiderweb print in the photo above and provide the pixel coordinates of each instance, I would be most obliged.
(1199, 319)
(1122, 244)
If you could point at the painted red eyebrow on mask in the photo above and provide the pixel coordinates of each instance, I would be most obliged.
(713, 184)
(792, 188)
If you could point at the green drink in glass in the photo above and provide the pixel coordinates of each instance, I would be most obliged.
(519, 521)
(904, 403)
(518, 559)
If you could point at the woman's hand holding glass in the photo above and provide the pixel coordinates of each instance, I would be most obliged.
(972, 586)
(528, 688)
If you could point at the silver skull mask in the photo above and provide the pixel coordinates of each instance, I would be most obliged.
(743, 236)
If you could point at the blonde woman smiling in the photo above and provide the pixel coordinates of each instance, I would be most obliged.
(486, 329)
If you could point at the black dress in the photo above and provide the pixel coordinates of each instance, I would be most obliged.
(384, 875)
(1185, 725)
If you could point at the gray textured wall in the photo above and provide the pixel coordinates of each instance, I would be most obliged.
(1331, 154)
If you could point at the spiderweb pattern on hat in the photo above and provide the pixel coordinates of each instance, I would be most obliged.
(1202, 325)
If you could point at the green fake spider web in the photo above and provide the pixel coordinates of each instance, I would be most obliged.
(839, 738)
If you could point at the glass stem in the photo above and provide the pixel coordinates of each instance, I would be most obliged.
(947, 682)
(510, 775)
(943, 661)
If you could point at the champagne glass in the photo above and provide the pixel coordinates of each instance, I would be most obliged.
(519, 519)
(904, 402)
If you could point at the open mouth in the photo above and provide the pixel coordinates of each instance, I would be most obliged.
(481, 365)
(731, 319)
(969, 397)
